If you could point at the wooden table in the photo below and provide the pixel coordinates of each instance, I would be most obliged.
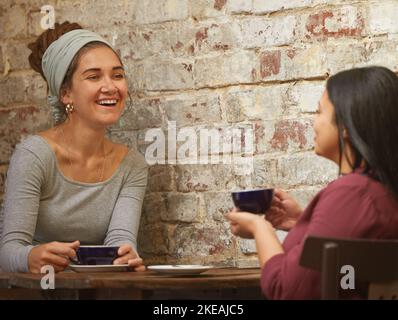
(4, 280)
(225, 283)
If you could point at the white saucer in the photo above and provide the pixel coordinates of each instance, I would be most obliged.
(181, 269)
(100, 268)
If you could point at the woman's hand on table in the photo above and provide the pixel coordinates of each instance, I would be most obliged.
(127, 255)
(56, 254)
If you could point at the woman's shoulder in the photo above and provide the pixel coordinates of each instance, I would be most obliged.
(131, 155)
(32, 152)
(36, 145)
(130, 159)
(358, 182)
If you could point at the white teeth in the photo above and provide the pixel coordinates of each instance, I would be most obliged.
(105, 102)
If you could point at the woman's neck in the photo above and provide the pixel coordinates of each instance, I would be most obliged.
(85, 142)
(347, 160)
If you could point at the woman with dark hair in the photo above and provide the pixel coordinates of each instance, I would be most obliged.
(70, 185)
(355, 127)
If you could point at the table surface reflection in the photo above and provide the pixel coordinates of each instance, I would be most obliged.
(217, 283)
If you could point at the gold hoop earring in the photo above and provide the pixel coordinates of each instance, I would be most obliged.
(69, 108)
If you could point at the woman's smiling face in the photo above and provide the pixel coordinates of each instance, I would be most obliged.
(99, 88)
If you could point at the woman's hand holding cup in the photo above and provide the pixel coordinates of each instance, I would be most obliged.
(284, 211)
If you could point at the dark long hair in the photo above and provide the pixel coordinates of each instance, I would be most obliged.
(366, 106)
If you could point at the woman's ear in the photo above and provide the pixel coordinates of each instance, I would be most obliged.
(345, 134)
(65, 96)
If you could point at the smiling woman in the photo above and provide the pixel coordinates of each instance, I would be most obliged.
(356, 128)
(70, 185)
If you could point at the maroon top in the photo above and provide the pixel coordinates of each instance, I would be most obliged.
(353, 206)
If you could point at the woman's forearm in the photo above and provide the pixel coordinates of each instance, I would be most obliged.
(267, 242)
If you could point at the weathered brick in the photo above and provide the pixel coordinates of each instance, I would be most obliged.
(305, 63)
(239, 6)
(382, 53)
(217, 204)
(215, 177)
(347, 55)
(260, 32)
(290, 135)
(128, 137)
(261, 6)
(170, 39)
(14, 21)
(292, 63)
(160, 11)
(306, 95)
(154, 239)
(346, 21)
(141, 114)
(161, 178)
(154, 206)
(344, 56)
(156, 75)
(270, 103)
(236, 102)
(203, 9)
(383, 17)
(133, 43)
(305, 169)
(265, 173)
(96, 13)
(191, 178)
(17, 53)
(224, 69)
(16, 124)
(3, 176)
(244, 261)
(217, 37)
(2, 59)
(247, 246)
(188, 109)
(22, 88)
(181, 208)
(270, 64)
(199, 243)
(34, 17)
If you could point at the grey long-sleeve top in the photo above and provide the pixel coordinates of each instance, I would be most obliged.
(42, 205)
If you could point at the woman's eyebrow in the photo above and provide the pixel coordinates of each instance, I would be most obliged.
(99, 69)
(91, 69)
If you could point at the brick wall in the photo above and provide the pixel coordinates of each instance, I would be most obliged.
(215, 64)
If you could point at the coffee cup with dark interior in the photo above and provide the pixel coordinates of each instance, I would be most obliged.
(96, 255)
(255, 201)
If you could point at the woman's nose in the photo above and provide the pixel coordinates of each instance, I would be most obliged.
(108, 86)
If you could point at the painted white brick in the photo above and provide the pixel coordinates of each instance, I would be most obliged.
(160, 11)
(263, 32)
(239, 6)
(263, 6)
(224, 69)
(164, 74)
(306, 95)
(383, 17)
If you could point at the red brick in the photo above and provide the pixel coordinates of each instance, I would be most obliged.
(270, 63)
